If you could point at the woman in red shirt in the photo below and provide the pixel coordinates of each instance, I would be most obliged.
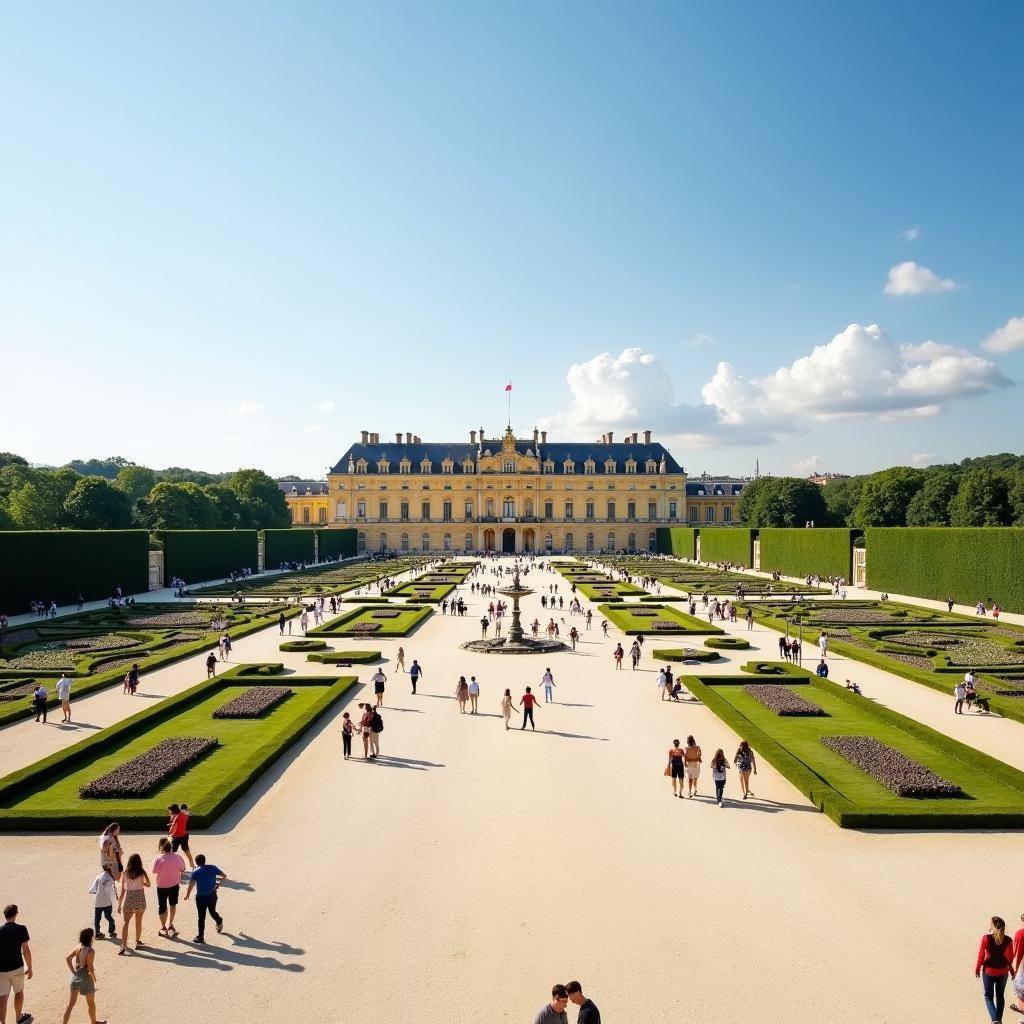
(993, 967)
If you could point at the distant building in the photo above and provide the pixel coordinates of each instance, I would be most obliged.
(823, 479)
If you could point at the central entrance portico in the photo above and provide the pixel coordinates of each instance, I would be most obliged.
(508, 540)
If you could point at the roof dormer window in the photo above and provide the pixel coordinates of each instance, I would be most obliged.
(549, 466)
(426, 466)
(589, 466)
(630, 465)
(651, 466)
(509, 466)
(568, 466)
(361, 466)
(405, 465)
(447, 465)
(609, 465)
(467, 465)
(383, 466)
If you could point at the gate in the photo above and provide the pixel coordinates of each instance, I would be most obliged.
(156, 570)
(860, 567)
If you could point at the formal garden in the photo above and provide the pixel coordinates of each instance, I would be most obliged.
(210, 742)
(655, 619)
(433, 586)
(863, 765)
(694, 578)
(97, 648)
(373, 621)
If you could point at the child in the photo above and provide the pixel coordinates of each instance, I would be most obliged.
(719, 767)
(347, 728)
(105, 892)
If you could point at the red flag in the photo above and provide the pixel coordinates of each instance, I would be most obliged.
(508, 386)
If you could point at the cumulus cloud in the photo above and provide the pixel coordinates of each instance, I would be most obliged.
(1006, 338)
(805, 467)
(911, 278)
(911, 234)
(860, 373)
(701, 339)
(325, 407)
(249, 408)
(922, 459)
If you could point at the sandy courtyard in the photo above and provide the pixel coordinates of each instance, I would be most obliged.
(470, 868)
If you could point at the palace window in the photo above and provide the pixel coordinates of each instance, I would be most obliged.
(671, 510)
(509, 467)
(468, 542)
(652, 541)
(709, 514)
(590, 542)
(568, 542)
(611, 510)
(568, 466)
(426, 466)
(468, 509)
(383, 466)
(588, 466)
(631, 542)
(652, 510)
(694, 513)
(549, 542)
(383, 542)
(549, 466)
(568, 510)
(361, 510)
(341, 510)
(609, 465)
(549, 510)
(610, 546)
(631, 510)
(383, 510)
(630, 465)
(403, 511)
(305, 514)
(446, 514)
(425, 511)
(651, 466)
(425, 542)
(405, 542)
(446, 542)
(727, 514)
(590, 510)
(447, 466)
(403, 467)
(360, 541)
(467, 465)
(361, 466)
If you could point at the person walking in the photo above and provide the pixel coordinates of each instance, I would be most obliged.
(676, 768)
(105, 890)
(63, 689)
(574, 636)
(225, 645)
(376, 728)
(666, 693)
(634, 654)
(379, 679)
(821, 670)
(211, 665)
(131, 679)
(554, 1012)
(484, 623)
(110, 850)
(823, 645)
(280, 624)
(618, 654)
(131, 900)
(750, 618)
(1016, 962)
(168, 869)
(414, 673)
(959, 696)
(506, 707)
(462, 693)
(693, 756)
(15, 964)
(474, 694)
(347, 728)
(400, 660)
(528, 703)
(206, 879)
(745, 762)
(177, 830)
(364, 728)
(39, 699)
(719, 768)
(993, 967)
(588, 1013)
(949, 604)
(81, 963)
(548, 682)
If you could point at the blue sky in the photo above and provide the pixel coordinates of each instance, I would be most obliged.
(237, 236)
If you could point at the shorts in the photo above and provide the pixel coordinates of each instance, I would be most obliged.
(167, 896)
(12, 981)
(677, 769)
(693, 770)
(179, 843)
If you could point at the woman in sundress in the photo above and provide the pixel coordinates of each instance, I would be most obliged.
(506, 706)
(131, 900)
(462, 694)
(692, 756)
(744, 761)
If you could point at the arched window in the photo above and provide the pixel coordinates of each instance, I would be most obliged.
(548, 542)
(631, 542)
(469, 542)
(652, 541)
(590, 542)
(610, 546)
(361, 541)
(425, 542)
(568, 542)
(383, 542)
(509, 467)
(447, 542)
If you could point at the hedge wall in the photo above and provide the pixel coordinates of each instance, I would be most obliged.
(200, 555)
(338, 543)
(727, 544)
(802, 552)
(288, 546)
(967, 563)
(680, 541)
(58, 565)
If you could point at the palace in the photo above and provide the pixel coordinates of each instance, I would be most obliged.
(509, 494)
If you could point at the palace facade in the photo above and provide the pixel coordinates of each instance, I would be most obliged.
(509, 494)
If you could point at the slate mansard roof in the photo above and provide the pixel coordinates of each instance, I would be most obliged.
(714, 488)
(303, 487)
(558, 452)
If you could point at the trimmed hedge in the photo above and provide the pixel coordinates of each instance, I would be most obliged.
(803, 552)
(727, 643)
(337, 543)
(684, 654)
(301, 646)
(58, 565)
(289, 545)
(200, 555)
(727, 544)
(345, 657)
(680, 541)
(967, 563)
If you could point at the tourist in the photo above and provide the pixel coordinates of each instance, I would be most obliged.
(414, 673)
(745, 762)
(993, 967)
(823, 644)
(168, 869)
(177, 830)
(364, 728)
(131, 680)
(554, 1012)
(634, 654)
(206, 879)
(400, 658)
(822, 670)
(280, 624)
(63, 689)
(980, 608)
(39, 699)
(15, 964)
(676, 768)
(959, 696)
(853, 687)
(693, 756)
(719, 768)
(110, 850)
(548, 682)
(81, 962)
(528, 703)
(617, 654)
(376, 728)
(132, 900)
(225, 647)
(484, 623)
(949, 604)
(604, 627)
(211, 665)
(105, 891)
(574, 636)
(995, 612)
(784, 648)
(589, 1013)
(666, 693)
(506, 707)
(379, 679)
(462, 694)
(1016, 962)
(347, 728)
(750, 618)
(474, 694)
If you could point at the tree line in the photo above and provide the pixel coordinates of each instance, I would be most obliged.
(116, 494)
(986, 491)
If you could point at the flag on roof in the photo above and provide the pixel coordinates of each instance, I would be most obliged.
(508, 386)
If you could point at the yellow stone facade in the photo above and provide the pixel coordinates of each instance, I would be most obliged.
(505, 494)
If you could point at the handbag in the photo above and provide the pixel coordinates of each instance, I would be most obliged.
(668, 770)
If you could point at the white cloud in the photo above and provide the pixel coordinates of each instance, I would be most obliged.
(805, 467)
(911, 278)
(249, 408)
(860, 373)
(1006, 338)
(701, 339)
(911, 234)
(313, 429)
(922, 459)
(325, 407)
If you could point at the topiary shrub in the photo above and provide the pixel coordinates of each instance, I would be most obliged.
(684, 654)
(303, 645)
(345, 657)
(729, 643)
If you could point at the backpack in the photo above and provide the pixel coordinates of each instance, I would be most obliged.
(376, 723)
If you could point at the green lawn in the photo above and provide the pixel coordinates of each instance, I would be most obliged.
(46, 795)
(608, 590)
(627, 619)
(409, 618)
(422, 591)
(993, 792)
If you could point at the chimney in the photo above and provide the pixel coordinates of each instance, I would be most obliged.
(408, 437)
(472, 437)
(375, 438)
(416, 439)
(647, 437)
(398, 437)
(634, 437)
(543, 437)
(536, 434)
(365, 436)
(611, 436)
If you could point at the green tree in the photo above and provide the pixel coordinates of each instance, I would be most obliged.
(13, 476)
(263, 502)
(841, 497)
(1015, 483)
(135, 481)
(106, 468)
(29, 509)
(179, 475)
(95, 504)
(230, 512)
(39, 503)
(9, 458)
(930, 506)
(781, 501)
(886, 496)
(168, 506)
(204, 512)
(982, 499)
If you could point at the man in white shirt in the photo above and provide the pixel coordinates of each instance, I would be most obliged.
(823, 644)
(64, 693)
(662, 680)
(474, 694)
(959, 695)
(548, 682)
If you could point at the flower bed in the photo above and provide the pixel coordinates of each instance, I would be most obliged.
(19, 636)
(386, 613)
(164, 620)
(892, 769)
(17, 692)
(44, 661)
(253, 703)
(142, 774)
(364, 627)
(782, 701)
(684, 654)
